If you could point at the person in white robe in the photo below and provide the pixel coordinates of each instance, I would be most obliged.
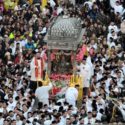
(89, 62)
(119, 9)
(72, 95)
(89, 119)
(52, 3)
(72, 2)
(42, 93)
(86, 73)
(112, 3)
(114, 27)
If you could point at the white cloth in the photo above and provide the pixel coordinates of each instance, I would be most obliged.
(114, 27)
(31, 119)
(32, 69)
(89, 105)
(19, 122)
(45, 11)
(86, 73)
(63, 121)
(102, 106)
(42, 53)
(99, 116)
(23, 43)
(94, 94)
(111, 36)
(107, 85)
(11, 106)
(1, 110)
(1, 17)
(42, 93)
(86, 121)
(99, 76)
(93, 46)
(89, 62)
(44, 30)
(113, 3)
(47, 122)
(111, 44)
(52, 3)
(59, 10)
(26, 113)
(119, 9)
(1, 121)
(71, 95)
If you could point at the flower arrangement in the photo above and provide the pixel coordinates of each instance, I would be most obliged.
(61, 81)
(57, 77)
(58, 85)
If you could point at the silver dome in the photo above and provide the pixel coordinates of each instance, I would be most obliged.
(64, 33)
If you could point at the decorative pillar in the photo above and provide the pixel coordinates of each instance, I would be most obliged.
(49, 63)
(74, 61)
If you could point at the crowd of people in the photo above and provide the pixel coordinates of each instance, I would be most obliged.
(22, 32)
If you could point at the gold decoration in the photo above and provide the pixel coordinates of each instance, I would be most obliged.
(76, 80)
(46, 81)
(71, 84)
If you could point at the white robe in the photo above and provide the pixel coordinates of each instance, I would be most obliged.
(1, 121)
(89, 62)
(113, 3)
(114, 27)
(118, 9)
(42, 93)
(86, 121)
(71, 96)
(32, 70)
(52, 3)
(86, 73)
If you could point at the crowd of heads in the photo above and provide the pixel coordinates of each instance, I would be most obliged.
(22, 31)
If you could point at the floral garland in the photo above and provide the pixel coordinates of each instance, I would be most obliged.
(57, 77)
